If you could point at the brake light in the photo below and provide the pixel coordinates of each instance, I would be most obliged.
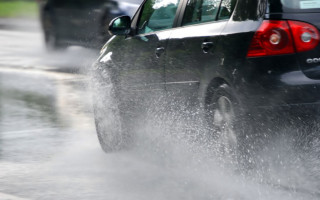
(306, 36)
(272, 38)
(278, 37)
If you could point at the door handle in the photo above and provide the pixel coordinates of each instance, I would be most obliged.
(159, 51)
(206, 46)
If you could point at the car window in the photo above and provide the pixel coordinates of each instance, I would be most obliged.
(198, 11)
(276, 6)
(157, 15)
(226, 9)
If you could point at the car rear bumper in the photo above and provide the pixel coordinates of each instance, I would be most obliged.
(278, 83)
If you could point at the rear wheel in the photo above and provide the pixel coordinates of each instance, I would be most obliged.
(225, 121)
(52, 42)
(51, 38)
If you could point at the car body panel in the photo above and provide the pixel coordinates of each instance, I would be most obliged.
(186, 61)
(185, 72)
(311, 70)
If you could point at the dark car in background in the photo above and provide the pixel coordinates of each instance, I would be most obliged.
(234, 60)
(80, 22)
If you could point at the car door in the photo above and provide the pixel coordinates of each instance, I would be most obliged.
(140, 57)
(191, 55)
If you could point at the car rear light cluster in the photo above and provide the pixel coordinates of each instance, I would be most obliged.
(278, 37)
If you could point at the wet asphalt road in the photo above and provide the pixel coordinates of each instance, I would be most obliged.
(49, 149)
(26, 50)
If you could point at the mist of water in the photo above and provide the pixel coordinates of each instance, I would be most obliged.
(173, 158)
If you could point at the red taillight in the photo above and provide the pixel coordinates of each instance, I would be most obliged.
(277, 37)
(306, 36)
(272, 38)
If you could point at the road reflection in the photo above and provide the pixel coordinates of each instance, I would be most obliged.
(25, 50)
(49, 150)
(38, 110)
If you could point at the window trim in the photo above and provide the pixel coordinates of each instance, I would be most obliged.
(181, 15)
(135, 19)
(137, 16)
(184, 8)
(177, 22)
(232, 12)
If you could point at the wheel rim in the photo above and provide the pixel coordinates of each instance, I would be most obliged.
(224, 120)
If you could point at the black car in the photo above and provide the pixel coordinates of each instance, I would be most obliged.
(232, 60)
(80, 22)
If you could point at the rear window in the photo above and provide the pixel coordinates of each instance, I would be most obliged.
(276, 6)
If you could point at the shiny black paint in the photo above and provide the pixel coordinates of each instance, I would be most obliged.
(310, 70)
(187, 60)
(186, 72)
(275, 6)
(120, 25)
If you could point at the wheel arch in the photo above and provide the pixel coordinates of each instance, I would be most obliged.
(212, 86)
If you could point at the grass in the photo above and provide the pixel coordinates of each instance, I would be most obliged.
(18, 9)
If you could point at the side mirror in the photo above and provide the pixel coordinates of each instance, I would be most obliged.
(120, 25)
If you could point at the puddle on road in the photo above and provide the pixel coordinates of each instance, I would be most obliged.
(60, 158)
(37, 112)
(27, 50)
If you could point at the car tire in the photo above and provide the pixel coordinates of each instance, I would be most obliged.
(108, 119)
(226, 123)
(52, 43)
(51, 38)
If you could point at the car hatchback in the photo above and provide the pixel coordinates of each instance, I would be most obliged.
(228, 58)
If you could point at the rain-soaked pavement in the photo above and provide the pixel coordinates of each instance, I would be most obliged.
(49, 149)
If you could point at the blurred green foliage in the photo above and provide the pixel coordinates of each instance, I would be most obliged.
(18, 9)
